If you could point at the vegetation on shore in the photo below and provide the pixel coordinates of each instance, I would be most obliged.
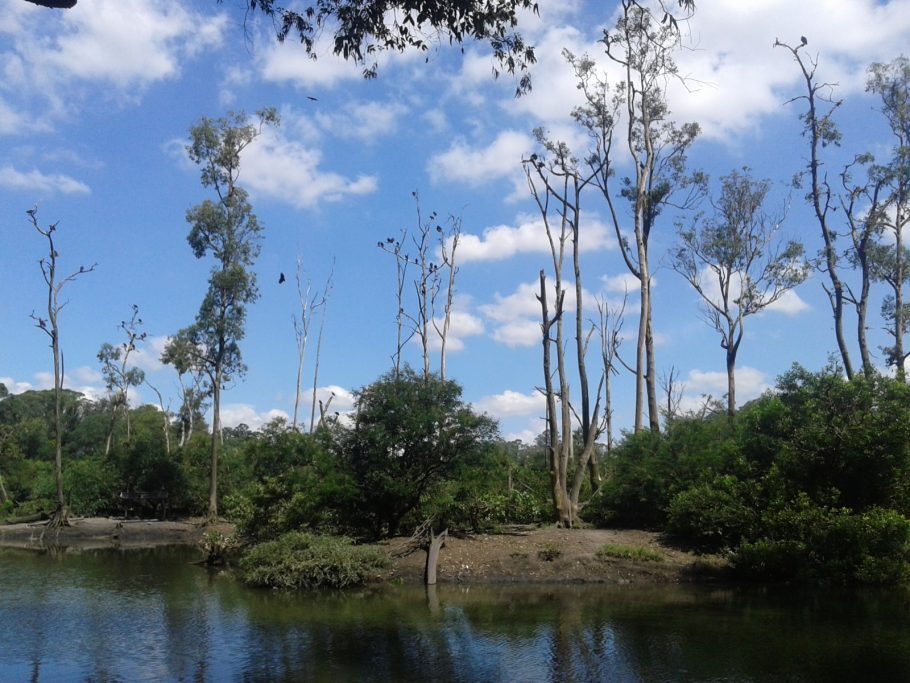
(809, 482)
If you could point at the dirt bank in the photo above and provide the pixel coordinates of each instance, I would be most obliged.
(105, 532)
(521, 554)
(550, 555)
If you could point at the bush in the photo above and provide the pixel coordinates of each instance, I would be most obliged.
(305, 561)
(711, 517)
(806, 541)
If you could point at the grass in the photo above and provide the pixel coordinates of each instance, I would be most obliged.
(627, 552)
(549, 552)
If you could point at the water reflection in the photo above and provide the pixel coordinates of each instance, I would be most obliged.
(150, 615)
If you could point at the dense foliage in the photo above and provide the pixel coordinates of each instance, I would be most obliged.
(299, 560)
(810, 481)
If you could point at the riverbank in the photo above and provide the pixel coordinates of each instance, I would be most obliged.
(551, 555)
(517, 555)
(88, 533)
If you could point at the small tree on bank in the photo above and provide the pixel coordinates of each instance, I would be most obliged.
(410, 432)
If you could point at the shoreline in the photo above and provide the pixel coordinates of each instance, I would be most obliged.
(516, 555)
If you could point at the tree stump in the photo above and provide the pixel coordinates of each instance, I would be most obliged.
(436, 543)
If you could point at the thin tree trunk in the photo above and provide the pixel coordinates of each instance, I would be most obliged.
(557, 483)
(216, 442)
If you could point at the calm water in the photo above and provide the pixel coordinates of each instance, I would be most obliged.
(151, 616)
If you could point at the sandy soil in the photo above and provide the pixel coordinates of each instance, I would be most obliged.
(105, 532)
(521, 556)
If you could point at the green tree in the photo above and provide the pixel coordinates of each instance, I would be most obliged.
(118, 377)
(643, 48)
(891, 82)
(227, 229)
(737, 264)
(409, 434)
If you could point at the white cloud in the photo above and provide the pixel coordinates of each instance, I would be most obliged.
(750, 384)
(518, 334)
(36, 181)
(15, 387)
(503, 241)
(789, 304)
(475, 166)
(625, 283)
(234, 414)
(288, 62)
(365, 121)
(517, 315)
(512, 404)
(127, 44)
(743, 78)
(461, 324)
(147, 357)
(285, 169)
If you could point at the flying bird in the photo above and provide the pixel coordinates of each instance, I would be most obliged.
(281, 278)
(311, 98)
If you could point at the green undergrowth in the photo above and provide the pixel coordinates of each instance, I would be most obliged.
(627, 552)
(299, 560)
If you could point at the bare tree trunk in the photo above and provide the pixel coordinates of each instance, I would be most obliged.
(216, 442)
(554, 451)
(436, 543)
(3, 490)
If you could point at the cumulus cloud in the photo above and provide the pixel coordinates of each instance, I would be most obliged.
(124, 44)
(789, 304)
(461, 325)
(476, 165)
(501, 242)
(364, 121)
(288, 170)
(15, 386)
(511, 404)
(516, 316)
(35, 181)
(234, 414)
(147, 357)
(750, 384)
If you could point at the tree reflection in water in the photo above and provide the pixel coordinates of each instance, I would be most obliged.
(151, 615)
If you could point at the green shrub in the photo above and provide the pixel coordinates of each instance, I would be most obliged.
(549, 552)
(806, 541)
(304, 561)
(711, 516)
(91, 485)
(628, 552)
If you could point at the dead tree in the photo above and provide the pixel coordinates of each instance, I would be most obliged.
(327, 292)
(448, 246)
(50, 327)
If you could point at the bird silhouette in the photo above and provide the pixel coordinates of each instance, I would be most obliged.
(281, 278)
(803, 40)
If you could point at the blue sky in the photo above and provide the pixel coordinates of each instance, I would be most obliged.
(95, 104)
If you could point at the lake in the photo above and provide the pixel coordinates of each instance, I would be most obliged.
(149, 615)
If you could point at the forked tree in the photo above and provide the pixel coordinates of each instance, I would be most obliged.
(736, 261)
